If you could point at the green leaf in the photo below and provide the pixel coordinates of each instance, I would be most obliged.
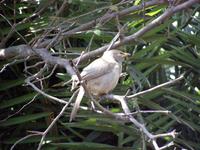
(24, 119)
(5, 85)
(88, 146)
(17, 100)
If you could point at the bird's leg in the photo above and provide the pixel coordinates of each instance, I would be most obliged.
(93, 108)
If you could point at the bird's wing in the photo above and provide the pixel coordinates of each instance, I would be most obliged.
(77, 103)
(96, 69)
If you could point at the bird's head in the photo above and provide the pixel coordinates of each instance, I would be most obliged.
(117, 55)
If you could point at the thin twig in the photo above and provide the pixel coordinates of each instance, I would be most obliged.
(151, 111)
(11, 63)
(141, 126)
(48, 76)
(172, 134)
(55, 120)
(17, 112)
(35, 65)
(22, 139)
(167, 145)
(115, 97)
(80, 58)
(45, 94)
(62, 8)
(156, 87)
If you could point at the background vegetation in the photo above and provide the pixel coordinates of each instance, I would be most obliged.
(162, 54)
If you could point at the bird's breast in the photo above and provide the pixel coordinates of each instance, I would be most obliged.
(106, 82)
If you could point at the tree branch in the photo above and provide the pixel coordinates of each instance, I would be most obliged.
(103, 19)
(23, 51)
(168, 13)
(156, 87)
(55, 120)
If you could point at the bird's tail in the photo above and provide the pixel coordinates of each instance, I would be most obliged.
(77, 103)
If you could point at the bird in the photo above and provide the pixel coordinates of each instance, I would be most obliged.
(100, 76)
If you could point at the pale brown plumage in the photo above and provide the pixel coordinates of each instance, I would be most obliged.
(101, 76)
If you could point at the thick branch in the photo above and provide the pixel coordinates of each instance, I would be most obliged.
(20, 51)
(23, 51)
(103, 19)
(168, 13)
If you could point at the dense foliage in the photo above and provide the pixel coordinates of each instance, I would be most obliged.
(162, 54)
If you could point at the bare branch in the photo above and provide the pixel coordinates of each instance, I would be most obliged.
(22, 139)
(115, 97)
(13, 51)
(55, 120)
(45, 94)
(20, 51)
(168, 13)
(11, 63)
(172, 134)
(128, 113)
(17, 112)
(23, 51)
(103, 19)
(156, 87)
(167, 145)
(141, 126)
(62, 8)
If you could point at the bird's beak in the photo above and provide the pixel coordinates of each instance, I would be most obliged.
(126, 55)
